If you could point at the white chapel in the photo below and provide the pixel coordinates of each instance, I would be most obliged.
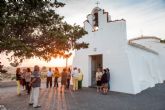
(134, 64)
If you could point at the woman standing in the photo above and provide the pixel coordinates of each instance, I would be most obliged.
(68, 78)
(98, 79)
(63, 79)
(104, 82)
(56, 76)
(35, 84)
(18, 79)
(23, 79)
(28, 79)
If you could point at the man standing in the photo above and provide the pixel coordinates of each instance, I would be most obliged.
(80, 78)
(49, 78)
(108, 77)
(75, 79)
(35, 84)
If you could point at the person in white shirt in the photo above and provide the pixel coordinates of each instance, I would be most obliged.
(80, 78)
(49, 78)
(75, 76)
(98, 79)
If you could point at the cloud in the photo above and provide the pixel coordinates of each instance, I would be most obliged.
(142, 16)
(145, 18)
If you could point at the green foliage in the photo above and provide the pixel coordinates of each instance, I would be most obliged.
(31, 28)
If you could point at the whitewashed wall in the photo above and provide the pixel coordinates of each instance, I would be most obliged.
(132, 69)
(147, 68)
(144, 67)
(155, 45)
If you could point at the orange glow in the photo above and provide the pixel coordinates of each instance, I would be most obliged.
(58, 62)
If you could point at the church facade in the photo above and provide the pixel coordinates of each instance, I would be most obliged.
(134, 65)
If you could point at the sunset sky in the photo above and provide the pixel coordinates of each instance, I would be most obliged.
(143, 17)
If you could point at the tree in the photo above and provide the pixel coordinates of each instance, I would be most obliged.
(31, 28)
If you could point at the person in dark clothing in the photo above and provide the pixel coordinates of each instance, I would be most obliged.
(28, 79)
(104, 82)
(23, 82)
(108, 77)
(68, 78)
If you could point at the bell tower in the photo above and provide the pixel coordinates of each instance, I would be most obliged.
(95, 18)
(95, 15)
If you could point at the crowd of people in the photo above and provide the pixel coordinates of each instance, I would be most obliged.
(31, 81)
(23, 78)
(102, 80)
(65, 76)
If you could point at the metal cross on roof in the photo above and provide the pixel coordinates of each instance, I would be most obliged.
(97, 3)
